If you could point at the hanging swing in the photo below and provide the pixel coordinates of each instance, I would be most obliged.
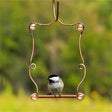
(32, 66)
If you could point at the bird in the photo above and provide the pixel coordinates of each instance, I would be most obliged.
(55, 84)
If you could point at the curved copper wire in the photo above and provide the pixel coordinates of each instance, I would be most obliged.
(54, 14)
(82, 64)
(83, 77)
(32, 47)
(33, 63)
(80, 48)
(33, 80)
(57, 10)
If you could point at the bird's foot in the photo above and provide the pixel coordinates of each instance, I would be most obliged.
(59, 95)
(55, 95)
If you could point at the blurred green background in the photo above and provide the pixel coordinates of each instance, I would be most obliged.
(56, 51)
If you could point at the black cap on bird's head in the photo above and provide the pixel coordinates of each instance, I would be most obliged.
(53, 75)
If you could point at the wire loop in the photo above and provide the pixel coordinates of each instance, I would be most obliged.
(84, 67)
(54, 12)
(33, 66)
(81, 67)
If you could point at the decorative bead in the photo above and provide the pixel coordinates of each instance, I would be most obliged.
(80, 27)
(80, 96)
(33, 66)
(32, 26)
(34, 96)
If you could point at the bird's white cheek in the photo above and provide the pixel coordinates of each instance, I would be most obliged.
(54, 78)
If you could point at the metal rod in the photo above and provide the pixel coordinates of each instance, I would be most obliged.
(46, 24)
(55, 21)
(57, 96)
(80, 47)
(57, 10)
(66, 24)
(54, 10)
(33, 80)
(32, 47)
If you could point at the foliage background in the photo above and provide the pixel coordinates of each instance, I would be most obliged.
(56, 51)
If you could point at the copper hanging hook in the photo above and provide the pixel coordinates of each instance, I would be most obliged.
(54, 14)
(32, 66)
(54, 10)
(57, 10)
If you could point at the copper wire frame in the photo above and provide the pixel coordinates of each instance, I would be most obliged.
(33, 65)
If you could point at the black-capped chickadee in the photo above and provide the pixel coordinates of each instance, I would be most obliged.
(55, 84)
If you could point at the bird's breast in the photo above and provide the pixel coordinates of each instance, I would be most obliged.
(56, 85)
